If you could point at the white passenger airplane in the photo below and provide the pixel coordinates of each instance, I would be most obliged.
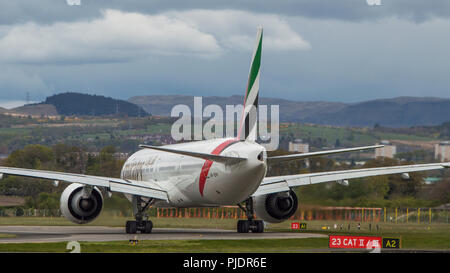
(208, 173)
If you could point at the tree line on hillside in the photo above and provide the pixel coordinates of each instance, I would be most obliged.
(88, 136)
(387, 112)
(440, 131)
(6, 121)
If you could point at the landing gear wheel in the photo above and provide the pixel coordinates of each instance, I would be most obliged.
(131, 227)
(243, 226)
(139, 207)
(255, 226)
(148, 226)
(259, 226)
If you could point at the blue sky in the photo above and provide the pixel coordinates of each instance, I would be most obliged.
(313, 50)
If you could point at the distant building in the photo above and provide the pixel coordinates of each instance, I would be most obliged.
(389, 150)
(356, 163)
(163, 139)
(120, 156)
(442, 151)
(431, 180)
(298, 146)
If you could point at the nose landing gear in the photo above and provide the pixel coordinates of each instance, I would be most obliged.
(245, 226)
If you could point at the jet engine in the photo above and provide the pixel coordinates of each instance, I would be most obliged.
(276, 207)
(81, 204)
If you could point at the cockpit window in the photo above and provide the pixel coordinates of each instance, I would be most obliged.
(261, 156)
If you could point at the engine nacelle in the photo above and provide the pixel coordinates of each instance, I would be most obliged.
(276, 207)
(81, 205)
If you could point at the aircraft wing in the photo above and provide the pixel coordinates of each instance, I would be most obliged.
(276, 159)
(284, 183)
(140, 188)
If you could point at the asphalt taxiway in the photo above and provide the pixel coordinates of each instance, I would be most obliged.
(36, 234)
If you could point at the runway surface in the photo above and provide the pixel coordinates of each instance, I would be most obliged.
(35, 234)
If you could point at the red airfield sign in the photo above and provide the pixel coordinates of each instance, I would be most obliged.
(345, 241)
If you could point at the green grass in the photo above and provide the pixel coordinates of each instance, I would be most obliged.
(2, 236)
(402, 137)
(329, 133)
(414, 236)
(171, 246)
(347, 136)
(15, 131)
(160, 128)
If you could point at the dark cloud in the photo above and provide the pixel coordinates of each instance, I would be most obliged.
(48, 11)
(357, 52)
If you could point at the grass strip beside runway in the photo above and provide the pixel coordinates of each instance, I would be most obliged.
(170, 246)
(7, 235)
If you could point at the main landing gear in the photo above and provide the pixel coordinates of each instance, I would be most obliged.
(144, 226)
(244, 226)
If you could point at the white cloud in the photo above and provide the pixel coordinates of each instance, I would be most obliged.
(10, 104)
(124, 36)
(116, 36)
(236, 29)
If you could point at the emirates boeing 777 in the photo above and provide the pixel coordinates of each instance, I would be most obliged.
(209, 173)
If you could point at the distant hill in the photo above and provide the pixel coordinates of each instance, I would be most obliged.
(36, 110)
(289, 110)
(396, 112)
(84, 104)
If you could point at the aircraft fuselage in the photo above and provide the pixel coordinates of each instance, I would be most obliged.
(193, 182)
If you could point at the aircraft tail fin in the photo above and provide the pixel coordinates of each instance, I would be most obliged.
(248, 125)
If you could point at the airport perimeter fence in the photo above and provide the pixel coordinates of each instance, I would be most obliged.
(347, 214)
(19, 212)
(362, 214)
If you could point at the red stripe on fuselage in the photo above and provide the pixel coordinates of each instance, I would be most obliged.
(207, 165)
